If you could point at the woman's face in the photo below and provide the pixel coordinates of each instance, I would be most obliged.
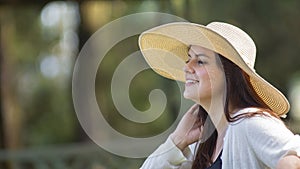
(204, 75)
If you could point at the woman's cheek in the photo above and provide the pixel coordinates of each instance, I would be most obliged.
(217, 80)
(202, 74)
(204, 81)
(204, 77)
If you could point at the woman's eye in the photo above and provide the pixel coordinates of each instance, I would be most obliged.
(187, 61)
(200, 62)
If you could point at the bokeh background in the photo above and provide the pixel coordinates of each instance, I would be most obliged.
(39, 44)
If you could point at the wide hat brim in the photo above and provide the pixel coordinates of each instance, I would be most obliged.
(165, 49)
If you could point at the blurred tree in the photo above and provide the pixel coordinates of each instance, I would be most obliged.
(42, 105)
(1, 110)
(10, 110)
(36, 109)
(32, 98)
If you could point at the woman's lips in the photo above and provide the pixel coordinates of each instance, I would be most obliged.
(191, 82)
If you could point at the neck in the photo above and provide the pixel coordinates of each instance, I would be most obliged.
(217, 115)
(218, 118)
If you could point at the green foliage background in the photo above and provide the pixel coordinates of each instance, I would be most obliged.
(45, 108)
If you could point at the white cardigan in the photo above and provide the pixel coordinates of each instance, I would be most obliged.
(250, 143)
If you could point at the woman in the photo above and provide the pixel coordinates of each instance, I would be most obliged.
(235, 122)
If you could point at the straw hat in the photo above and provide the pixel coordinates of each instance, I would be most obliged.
(165, 48)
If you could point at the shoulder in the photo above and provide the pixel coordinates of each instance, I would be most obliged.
(263, 133)
(259, 122)
(253, 114)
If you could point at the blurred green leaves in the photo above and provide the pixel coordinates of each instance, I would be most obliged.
(46, 102)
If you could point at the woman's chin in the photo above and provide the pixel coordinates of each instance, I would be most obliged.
(193, 97)
(188, 96)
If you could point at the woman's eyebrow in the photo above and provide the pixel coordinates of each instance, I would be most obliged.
(199, 55)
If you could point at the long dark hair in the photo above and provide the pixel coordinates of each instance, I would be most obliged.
(239, 94)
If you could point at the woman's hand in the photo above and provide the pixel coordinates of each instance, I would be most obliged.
(289, 162)
(187, 131)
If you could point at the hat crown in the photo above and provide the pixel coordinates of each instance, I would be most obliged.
(240, 40)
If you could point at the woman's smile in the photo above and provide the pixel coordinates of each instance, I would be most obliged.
(190, 82)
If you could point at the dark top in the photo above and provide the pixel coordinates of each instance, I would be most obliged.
(217, 164)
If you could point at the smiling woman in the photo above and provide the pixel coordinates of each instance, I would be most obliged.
(235, 120)
(202, 73)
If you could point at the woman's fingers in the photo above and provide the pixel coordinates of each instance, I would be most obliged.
(188, 120)
(192, 114)
(188, 130)
(193, 110)
(196, 134)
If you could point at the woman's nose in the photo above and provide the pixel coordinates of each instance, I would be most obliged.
(188, 68)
